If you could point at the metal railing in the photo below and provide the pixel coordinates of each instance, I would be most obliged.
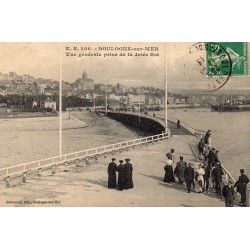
(191, 130)
(59, 160)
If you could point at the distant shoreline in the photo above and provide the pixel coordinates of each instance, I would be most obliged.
(40, 123)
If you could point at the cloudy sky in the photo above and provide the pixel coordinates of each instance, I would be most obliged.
(43, 60)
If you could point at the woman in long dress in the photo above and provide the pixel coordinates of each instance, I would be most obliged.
(121, 176)
(169, 173)
(199, 180)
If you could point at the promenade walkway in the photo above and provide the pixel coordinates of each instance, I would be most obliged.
(87, 185)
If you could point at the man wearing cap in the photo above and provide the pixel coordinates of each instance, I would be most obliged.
(112, 168)
(228, 193)
(128, 174)
(121, 176)
(242, 186)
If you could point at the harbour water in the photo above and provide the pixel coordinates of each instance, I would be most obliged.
(24, 142)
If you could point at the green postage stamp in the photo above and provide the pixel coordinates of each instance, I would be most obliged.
(221, 53)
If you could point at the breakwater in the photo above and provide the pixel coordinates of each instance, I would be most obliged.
(148, 124)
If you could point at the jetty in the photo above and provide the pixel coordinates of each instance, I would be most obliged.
(80, 178)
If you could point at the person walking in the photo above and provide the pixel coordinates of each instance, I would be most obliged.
(207, 138)
(170, 155)
(212, 158)
(169, 173)
(199, 179)
(179, 170)
(112, 167)
(206, 178)
(241, 185)
(206, 153)
(217, 175)
(121, 175)
(201, 146)
(128, 170)
(189, 176)
(228, 193)
(178, 124)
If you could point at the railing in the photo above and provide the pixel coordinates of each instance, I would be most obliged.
(193, 131)
(228, 176)
(59, 160)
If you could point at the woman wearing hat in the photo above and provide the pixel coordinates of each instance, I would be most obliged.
(128, 174)
(228, 193)
(121, 176)
(112, 167)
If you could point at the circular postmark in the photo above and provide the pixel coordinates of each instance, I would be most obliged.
(213, 62)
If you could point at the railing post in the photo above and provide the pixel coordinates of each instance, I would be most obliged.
(39, 172)
(53, 169)
(7, 180)
(24, 177)
(87, 161)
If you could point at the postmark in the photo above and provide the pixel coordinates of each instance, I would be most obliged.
(216, 68)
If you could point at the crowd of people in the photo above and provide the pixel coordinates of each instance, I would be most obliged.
(206, 174)
(125, 177)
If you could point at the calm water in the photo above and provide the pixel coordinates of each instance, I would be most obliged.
(230, 134)
(19, 145)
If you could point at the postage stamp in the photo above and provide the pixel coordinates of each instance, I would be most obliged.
(236, 51)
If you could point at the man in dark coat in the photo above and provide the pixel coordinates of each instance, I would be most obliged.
(212, 158)
(228, 194)
(217, 174)
(179, 170)
(241, 185)
(128, 174)
(189, 176)
(201, 146)
(206, 177)
(121, 176)
(112, 167)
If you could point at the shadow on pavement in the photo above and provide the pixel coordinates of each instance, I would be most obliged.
(158, 178)
(98, 182)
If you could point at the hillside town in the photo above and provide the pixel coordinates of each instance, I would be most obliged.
(26, 91)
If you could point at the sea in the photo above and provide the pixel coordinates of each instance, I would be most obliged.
(24, 141)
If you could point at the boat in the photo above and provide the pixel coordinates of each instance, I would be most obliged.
(235, 106)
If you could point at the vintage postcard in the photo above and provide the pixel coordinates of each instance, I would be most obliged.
(124, 124)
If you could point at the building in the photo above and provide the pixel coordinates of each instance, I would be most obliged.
(49, 104)
(84, 83)
(136, 99)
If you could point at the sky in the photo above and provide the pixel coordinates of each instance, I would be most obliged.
(43, 60)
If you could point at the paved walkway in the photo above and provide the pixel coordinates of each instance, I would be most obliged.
(87, 185)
